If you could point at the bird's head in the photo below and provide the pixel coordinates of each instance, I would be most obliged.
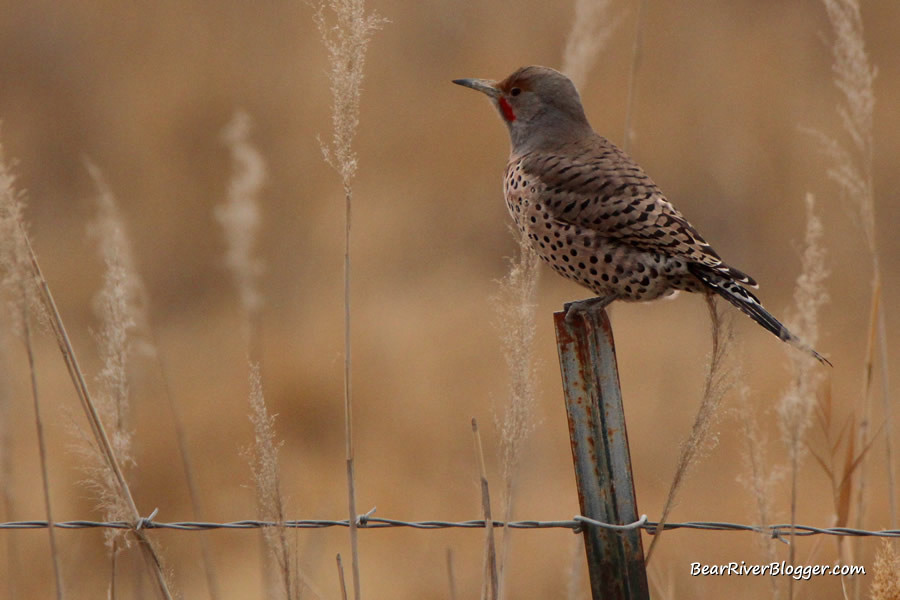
(539, 105)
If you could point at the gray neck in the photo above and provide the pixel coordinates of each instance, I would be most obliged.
(547, 130)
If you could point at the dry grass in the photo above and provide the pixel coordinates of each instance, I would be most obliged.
(490, 583)
(852, 170)
(702, 438)
(886, 573)
(515, 310)
(6, 468)
(795, 408)
(346, 40)
(270, 502)
(760, 477)
(422, 281)
(106, 453)
(18, 285)
(110, 232)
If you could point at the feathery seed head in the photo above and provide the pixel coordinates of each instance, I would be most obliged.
(539, 105)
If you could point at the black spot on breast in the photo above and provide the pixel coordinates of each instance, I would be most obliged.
(593, 260)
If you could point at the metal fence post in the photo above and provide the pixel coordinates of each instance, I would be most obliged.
(587, 360)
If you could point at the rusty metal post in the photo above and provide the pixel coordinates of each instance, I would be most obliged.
(587, 360)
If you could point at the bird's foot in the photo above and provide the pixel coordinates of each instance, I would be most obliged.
(587, 305)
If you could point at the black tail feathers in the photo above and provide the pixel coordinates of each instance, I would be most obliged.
(721, 282)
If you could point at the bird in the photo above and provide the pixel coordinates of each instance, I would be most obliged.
(593, 214)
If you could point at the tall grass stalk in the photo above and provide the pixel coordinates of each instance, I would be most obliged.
(267, 480)
(346, 40)
(514, 307)
(104, 446)
(852, 170)
(18, 284)
(341, 579)
(42, 449)
(795, 409)
(760, 478)
(6, 474)
(112, 234)
(240, 217)
(490, 580)
(451, 576)
(702, 438)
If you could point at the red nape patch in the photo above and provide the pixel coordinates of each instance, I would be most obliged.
(508, 113)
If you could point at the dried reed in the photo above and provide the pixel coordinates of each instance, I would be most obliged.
(346, 42)
(795, 408)
(108, 227)
(852, 169)
(490, 581)
(266, 478)
(19, 286)
(6, 473)
(885, 579)
(514, 306)
(760, 479)
(702, 438)
(109, 473)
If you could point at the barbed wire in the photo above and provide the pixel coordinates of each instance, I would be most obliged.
(576, 524)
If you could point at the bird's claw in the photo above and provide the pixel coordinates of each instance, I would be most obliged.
(587, 305)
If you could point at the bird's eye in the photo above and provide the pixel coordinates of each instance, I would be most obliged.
(515, 92)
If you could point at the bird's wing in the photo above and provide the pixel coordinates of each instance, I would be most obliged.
(602, 189)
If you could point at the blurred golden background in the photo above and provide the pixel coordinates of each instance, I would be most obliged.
(144, 90)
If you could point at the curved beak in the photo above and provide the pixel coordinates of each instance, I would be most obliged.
(485, 86)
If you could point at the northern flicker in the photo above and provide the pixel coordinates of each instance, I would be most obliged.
(592, 213)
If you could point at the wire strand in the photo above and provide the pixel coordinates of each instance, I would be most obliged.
(576, 524)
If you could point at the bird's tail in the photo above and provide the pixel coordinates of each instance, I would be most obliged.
(721, 283)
